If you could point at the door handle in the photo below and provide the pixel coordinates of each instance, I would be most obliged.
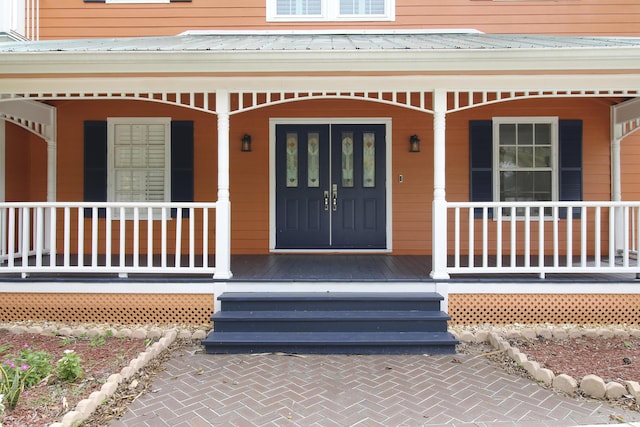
(334, 196)
(326, 200)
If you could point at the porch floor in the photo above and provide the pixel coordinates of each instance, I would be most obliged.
(371, 267)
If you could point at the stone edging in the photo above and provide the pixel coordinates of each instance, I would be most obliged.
(85, 407)
(590, 385)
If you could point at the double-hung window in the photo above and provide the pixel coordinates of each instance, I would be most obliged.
(525, 160)
(330, 10)
(139, 160)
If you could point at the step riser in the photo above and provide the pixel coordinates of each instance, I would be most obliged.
(330, 349)
(294, 325)
(330, 305)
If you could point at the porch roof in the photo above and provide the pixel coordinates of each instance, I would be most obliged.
(353, 51)
(321, 41)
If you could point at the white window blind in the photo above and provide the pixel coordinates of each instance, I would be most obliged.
(362, 7)
(299, 7)
(139, 160)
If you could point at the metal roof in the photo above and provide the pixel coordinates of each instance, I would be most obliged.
(274, 42)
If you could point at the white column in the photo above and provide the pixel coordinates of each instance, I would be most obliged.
(616, 177)
(439, 207)
(223, 205)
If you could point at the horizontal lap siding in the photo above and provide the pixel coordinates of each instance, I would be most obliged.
(75, 19)
(630, 158)
(26, 165)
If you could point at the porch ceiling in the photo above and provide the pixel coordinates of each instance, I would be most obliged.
(369, 52)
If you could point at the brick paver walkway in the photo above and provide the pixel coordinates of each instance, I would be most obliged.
(314, 390)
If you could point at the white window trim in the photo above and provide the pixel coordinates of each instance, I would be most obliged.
(553, 121)
(330, 11)
(111, 123)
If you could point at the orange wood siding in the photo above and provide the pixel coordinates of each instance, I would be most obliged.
(26, 165)
(630, 157)
(75, 19)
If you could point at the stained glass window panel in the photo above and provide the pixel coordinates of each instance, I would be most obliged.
(347, 159)
(313, 159)
(369, 159)
(292, 159)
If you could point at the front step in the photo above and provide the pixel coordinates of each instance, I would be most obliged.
(328, 323)
(330, 342)
(306, 301)
(331, 321)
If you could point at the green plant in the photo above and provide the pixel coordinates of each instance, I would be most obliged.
(66, 341)
(12, 383)
(97, 341)
(39, 362)
(68, 368)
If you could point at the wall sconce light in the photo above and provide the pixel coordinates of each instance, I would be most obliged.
(414, 144)
(246, 142)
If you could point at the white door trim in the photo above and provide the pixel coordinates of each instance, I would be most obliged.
(386, 121)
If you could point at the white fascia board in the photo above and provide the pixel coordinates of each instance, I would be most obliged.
(338, 83)
(419, 61)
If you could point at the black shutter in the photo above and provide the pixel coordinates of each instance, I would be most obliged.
(570, 163)
(481, 163)
(95, 163)
(182, 155)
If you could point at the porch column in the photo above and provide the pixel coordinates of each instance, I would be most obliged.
(223, 205)
(439, 207)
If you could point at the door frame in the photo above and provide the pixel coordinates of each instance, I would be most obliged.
(386, 121)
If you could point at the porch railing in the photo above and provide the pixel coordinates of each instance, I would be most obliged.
(543, 237)
(122, 238)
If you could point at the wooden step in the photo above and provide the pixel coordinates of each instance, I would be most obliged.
(330, 321)
(331, 342)
(325, 301)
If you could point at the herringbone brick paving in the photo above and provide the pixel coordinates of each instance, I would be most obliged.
(339, 390)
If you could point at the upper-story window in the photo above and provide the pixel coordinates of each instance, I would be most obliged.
(330, 10)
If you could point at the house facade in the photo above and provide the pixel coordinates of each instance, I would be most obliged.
(146, 145)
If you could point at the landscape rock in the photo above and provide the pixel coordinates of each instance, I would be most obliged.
(615, 390)
(545, 376)
(565, 384)
(593, 386)
(634, 389)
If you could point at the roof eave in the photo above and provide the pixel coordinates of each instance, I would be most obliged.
(257, 62)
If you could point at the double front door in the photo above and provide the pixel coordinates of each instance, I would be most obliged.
(330, 186)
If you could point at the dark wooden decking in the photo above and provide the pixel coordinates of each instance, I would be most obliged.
(373, 267)
(332, 267)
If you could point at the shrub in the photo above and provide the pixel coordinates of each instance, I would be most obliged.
(68, 367)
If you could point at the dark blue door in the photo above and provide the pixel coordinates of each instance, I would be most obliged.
(330, 187)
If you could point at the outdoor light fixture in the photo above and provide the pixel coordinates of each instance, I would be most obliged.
(246, 142)
(414, 144)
